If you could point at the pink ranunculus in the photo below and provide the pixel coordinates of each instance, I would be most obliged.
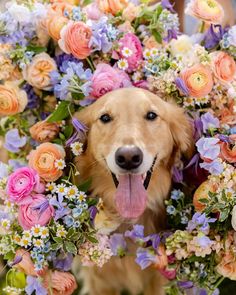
(22, 183)
(106, 79)
(141, 84)
(92, 11)
(38, 211)
(133, 43)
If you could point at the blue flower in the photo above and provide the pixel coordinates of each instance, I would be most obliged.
(34, 285)
(3, 170)
(118, 244)
(170, 210)
(76, 14)
(76, 212)
(13, 141)
(176, 194)
(215, 167)
(208, 147)
(145, 257)
(209, 121)
(184, 219)
(69, 221)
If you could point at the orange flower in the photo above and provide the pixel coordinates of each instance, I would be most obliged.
(60, 282)
(227, 115)
(161, 258)
(207, 10)
(202, 193)
(55, 23)
(75, 37)
(26, 265)
(224, 66)
(227, 266)
(59, 8)
(130, 12)
(44, 131)
(198, 80)
(44, 158)
(227, 151)
(112, 6)
(13, 100)
(37, 73)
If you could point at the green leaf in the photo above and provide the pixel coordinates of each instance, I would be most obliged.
(36, 49)
(92, 239)
(204, 201)
(70, 247)
(56, 246)
(224, 215)
(157, 36)
(70, 233)
(85, 185)
(16, 279)
(9, 256)
(58, 240)
(68, 131)
(61, 113)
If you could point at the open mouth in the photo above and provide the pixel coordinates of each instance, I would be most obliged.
(131, 193)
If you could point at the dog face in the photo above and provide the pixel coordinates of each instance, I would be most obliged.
(132, 130)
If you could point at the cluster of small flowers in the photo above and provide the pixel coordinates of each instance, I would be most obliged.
(13, 291)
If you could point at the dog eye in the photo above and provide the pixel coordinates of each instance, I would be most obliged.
(151, 116)
(105, 118)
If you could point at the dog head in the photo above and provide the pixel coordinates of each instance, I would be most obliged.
(132, 131)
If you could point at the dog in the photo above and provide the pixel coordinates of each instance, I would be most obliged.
(134, 139)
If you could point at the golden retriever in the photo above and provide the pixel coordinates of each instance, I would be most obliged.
(131, 133)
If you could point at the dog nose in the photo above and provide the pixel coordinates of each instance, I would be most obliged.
(129, 157)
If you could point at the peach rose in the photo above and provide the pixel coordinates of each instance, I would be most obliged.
(202, 193)
(209, 11)
(42, 33)
(227, 114)
(44, 131)
(224, 66)
(37, 73)
(198, 80)
(59, 282)
(150, 42)
(112, 6)
(13, 100)
(59, 8)
(26, 265)
(55, 23)
(228, 151)
(75, 37)
(44, 158)
(227, 266)
(161, 258)
(131, 12)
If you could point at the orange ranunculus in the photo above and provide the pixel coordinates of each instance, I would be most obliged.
(198, 80)
(13, 100)
(227, 266)
(224, 66)
(43, 160)
(202, 193)
(37, 73)
(227, 114)
(75, 37)
(26, 265)
(54, 24)
(209, 11)
(44, 131)
(112, 6)
(228, 151)
(59, 282)
(59, 8)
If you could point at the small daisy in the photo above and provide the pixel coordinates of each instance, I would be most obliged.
(51, 186)
(62, 189)
(189, 101)
(38, 243)
(61, 233)
(126, 52)
(36, 230)
(72, 192)
(60, 164)
(154, 52)
(81, 196)
(77, 148)
(123, 64)
(27, 234)
(25, 242)
(17, 239)
(147, 54)
(5, 223)
(44, 232)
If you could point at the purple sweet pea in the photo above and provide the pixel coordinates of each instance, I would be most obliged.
(63, 262)
(185, 284)
(209, 122)
(61, 209)
(167, 5)
(13, 141)
(201, 222)
(181, 86)
(34, 285)
(137, 234)
(118, 245)
(177, 175)
(15, 164)
(213, 36)
(204, 241)
(215, 167)
(208, 147)
(145, 257)
(171, 34)
(198, 128)
(16, 260)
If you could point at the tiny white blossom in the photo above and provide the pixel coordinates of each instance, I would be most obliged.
(38, 243)
(126, 52)
(62, 189)
(5, 223)
(81, 196)
(51, 186)
(36, 230)
(77, 148)
(60, 164)
(72, 192)
(123, 64)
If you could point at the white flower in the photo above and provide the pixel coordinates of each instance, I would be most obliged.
(36, 230)
(27, 234)
(38, 243)
(61, 233)
(60, 164)
(44, 232)
(77, 148)
(62, 189)
(81, 196)
(180, 46)
(20, 13)
(5, 223)
(25, 242)
(17, 239)
(51, 186)
(154, 52)
(72, 192)
(123, 64)
(126, 52)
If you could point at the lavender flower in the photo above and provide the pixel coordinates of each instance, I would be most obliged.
(80, 133)
(209, 122)
(33, 99)
(3, 170)
(181, 86)
(198, 128)
(204, 241)
(145, 257)
(63, 262)
(215, 167)
(34, 285)
(213, 36)
(167, 5)
(61, 209)
(185, 284)
(13, 141)
(118, 245)
(137, 234)
(201, 222)
(208, 147)
(177, 175)
(16, 260)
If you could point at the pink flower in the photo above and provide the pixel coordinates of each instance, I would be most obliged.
(133, 43)
(21, 183)
(92, 11)
(107, 78)
(38, 211)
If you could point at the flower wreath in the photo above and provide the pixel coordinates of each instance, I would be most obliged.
(57, 57)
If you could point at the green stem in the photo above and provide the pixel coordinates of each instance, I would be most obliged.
(202, 28)
(217, 284)
(90, 64)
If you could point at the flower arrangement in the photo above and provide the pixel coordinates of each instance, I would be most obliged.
(59, 56)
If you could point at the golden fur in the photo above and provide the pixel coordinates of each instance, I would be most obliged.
(167, 137)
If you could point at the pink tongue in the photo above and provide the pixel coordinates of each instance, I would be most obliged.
(131, 196)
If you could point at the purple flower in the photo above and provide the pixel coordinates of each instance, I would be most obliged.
(61, 58)
(34, 285)
(13, 141)
(185, 284)
(177, 175)
(198, 128)
(213, 36)
(80, 133)
(167, 5)
(92, 213)
(201, 222)
(145, 257)
(181, 86)
(208, 147)
(3, 170)
(209, 122)
(215, 167)
(16, 260)
(137, 234)
(33, 99)
(16, 164)
(171, 34)
(61, 209)
(225, 138)
(41, 207)
(204, 241)
(118, 245)
(63, 262)
(194, 161)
